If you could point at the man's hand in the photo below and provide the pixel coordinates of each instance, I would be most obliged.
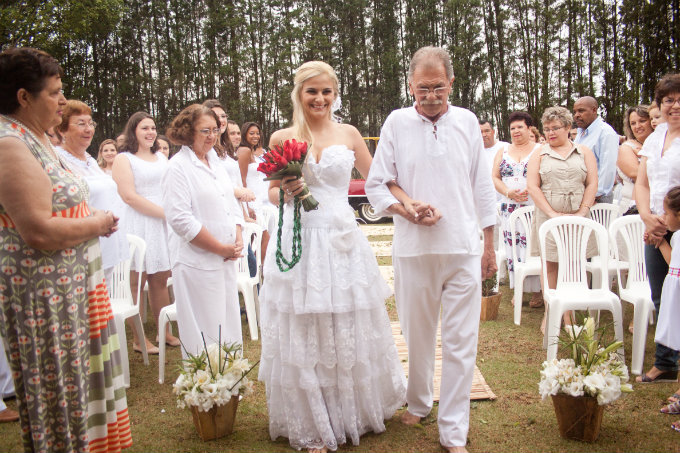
(489, 255)
(416, 212)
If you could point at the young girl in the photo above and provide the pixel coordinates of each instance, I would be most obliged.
(669, 313)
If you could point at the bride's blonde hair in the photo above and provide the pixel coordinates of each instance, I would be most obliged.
(305, 72)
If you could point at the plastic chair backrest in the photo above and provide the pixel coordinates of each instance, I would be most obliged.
(120, 286)
(524, 215)
(571, 235)
(631, 229)
(605, 213)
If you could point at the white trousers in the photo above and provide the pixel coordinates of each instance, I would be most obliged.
(206, 300)
(426, 286)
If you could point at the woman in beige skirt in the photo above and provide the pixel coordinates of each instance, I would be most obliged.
(562, 180)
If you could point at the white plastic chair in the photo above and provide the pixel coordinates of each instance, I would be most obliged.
(247, 285)
(122, 303)
(501, 254)
(605, 214)
(571, 234)
(636, 290)
(531, 264)
(168, 313)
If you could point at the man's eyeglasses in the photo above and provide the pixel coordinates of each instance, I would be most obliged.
(207, 132)
(439, 91)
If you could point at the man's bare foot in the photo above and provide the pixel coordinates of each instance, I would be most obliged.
(408, 418)
(455, 449)
(318, 450)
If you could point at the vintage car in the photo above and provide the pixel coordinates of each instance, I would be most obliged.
(357, 195)
(359, 201)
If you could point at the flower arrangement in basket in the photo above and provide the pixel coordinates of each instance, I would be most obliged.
(594, 376)
(210, 385)
(281, 161)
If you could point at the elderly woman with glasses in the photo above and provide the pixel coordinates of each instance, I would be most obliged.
(562, 180)
(77, 128)
(205, 232)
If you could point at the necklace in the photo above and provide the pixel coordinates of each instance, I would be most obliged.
(50, 154)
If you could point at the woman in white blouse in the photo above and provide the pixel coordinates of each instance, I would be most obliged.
(77, 130)
(659, 172)
(205, 232)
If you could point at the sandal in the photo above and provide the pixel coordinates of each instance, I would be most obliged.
(673, 398)
(676, 426)
(664, 376)
(673, 408)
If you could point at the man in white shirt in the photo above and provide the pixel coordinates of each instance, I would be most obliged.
(491, 145)
(430, 170)
(603, 140)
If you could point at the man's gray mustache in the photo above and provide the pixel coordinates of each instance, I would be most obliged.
(434, 102)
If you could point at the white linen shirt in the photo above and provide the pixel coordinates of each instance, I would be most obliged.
(443, 164)
(663, 172)
(195, 196)
(603, 141)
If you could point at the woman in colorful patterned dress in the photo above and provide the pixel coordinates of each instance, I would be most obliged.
(56, 315)
(510, 179)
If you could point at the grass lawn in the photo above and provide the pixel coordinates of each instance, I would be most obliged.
(518, 421)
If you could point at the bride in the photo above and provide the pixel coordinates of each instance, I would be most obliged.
(329, 362)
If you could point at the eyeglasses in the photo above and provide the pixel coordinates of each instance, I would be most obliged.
(547, 131)
(83, 124)
(668, 102)
(207, 132)
(439, 91)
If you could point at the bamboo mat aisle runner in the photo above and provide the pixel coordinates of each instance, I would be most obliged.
(480, 389)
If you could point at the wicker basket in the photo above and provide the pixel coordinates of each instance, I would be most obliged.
(490, 307)
(578, 417)
(217, 422)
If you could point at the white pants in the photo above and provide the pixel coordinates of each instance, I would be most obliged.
(425, 286)
(206, 300)
(6, 382)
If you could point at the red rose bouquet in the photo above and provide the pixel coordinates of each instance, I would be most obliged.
(286, 160)
(279, 162)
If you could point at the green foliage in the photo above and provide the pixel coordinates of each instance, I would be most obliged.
(489, 285)
(121, 56)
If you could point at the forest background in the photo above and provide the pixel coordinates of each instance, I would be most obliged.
(121, 56)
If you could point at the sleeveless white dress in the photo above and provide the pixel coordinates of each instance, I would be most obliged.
(154, 231)
(265, 211)
(329, 361)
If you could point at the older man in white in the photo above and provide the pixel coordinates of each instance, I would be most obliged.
(430, 170)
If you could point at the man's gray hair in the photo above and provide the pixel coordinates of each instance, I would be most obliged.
(424, 55)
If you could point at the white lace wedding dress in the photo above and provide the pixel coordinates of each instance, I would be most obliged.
(329, 361)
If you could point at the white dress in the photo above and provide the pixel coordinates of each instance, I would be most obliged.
(667, 332)
(329, 361)
(103, 196)
(147, 177)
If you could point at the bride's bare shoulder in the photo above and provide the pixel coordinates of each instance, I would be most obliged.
(280, 136)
